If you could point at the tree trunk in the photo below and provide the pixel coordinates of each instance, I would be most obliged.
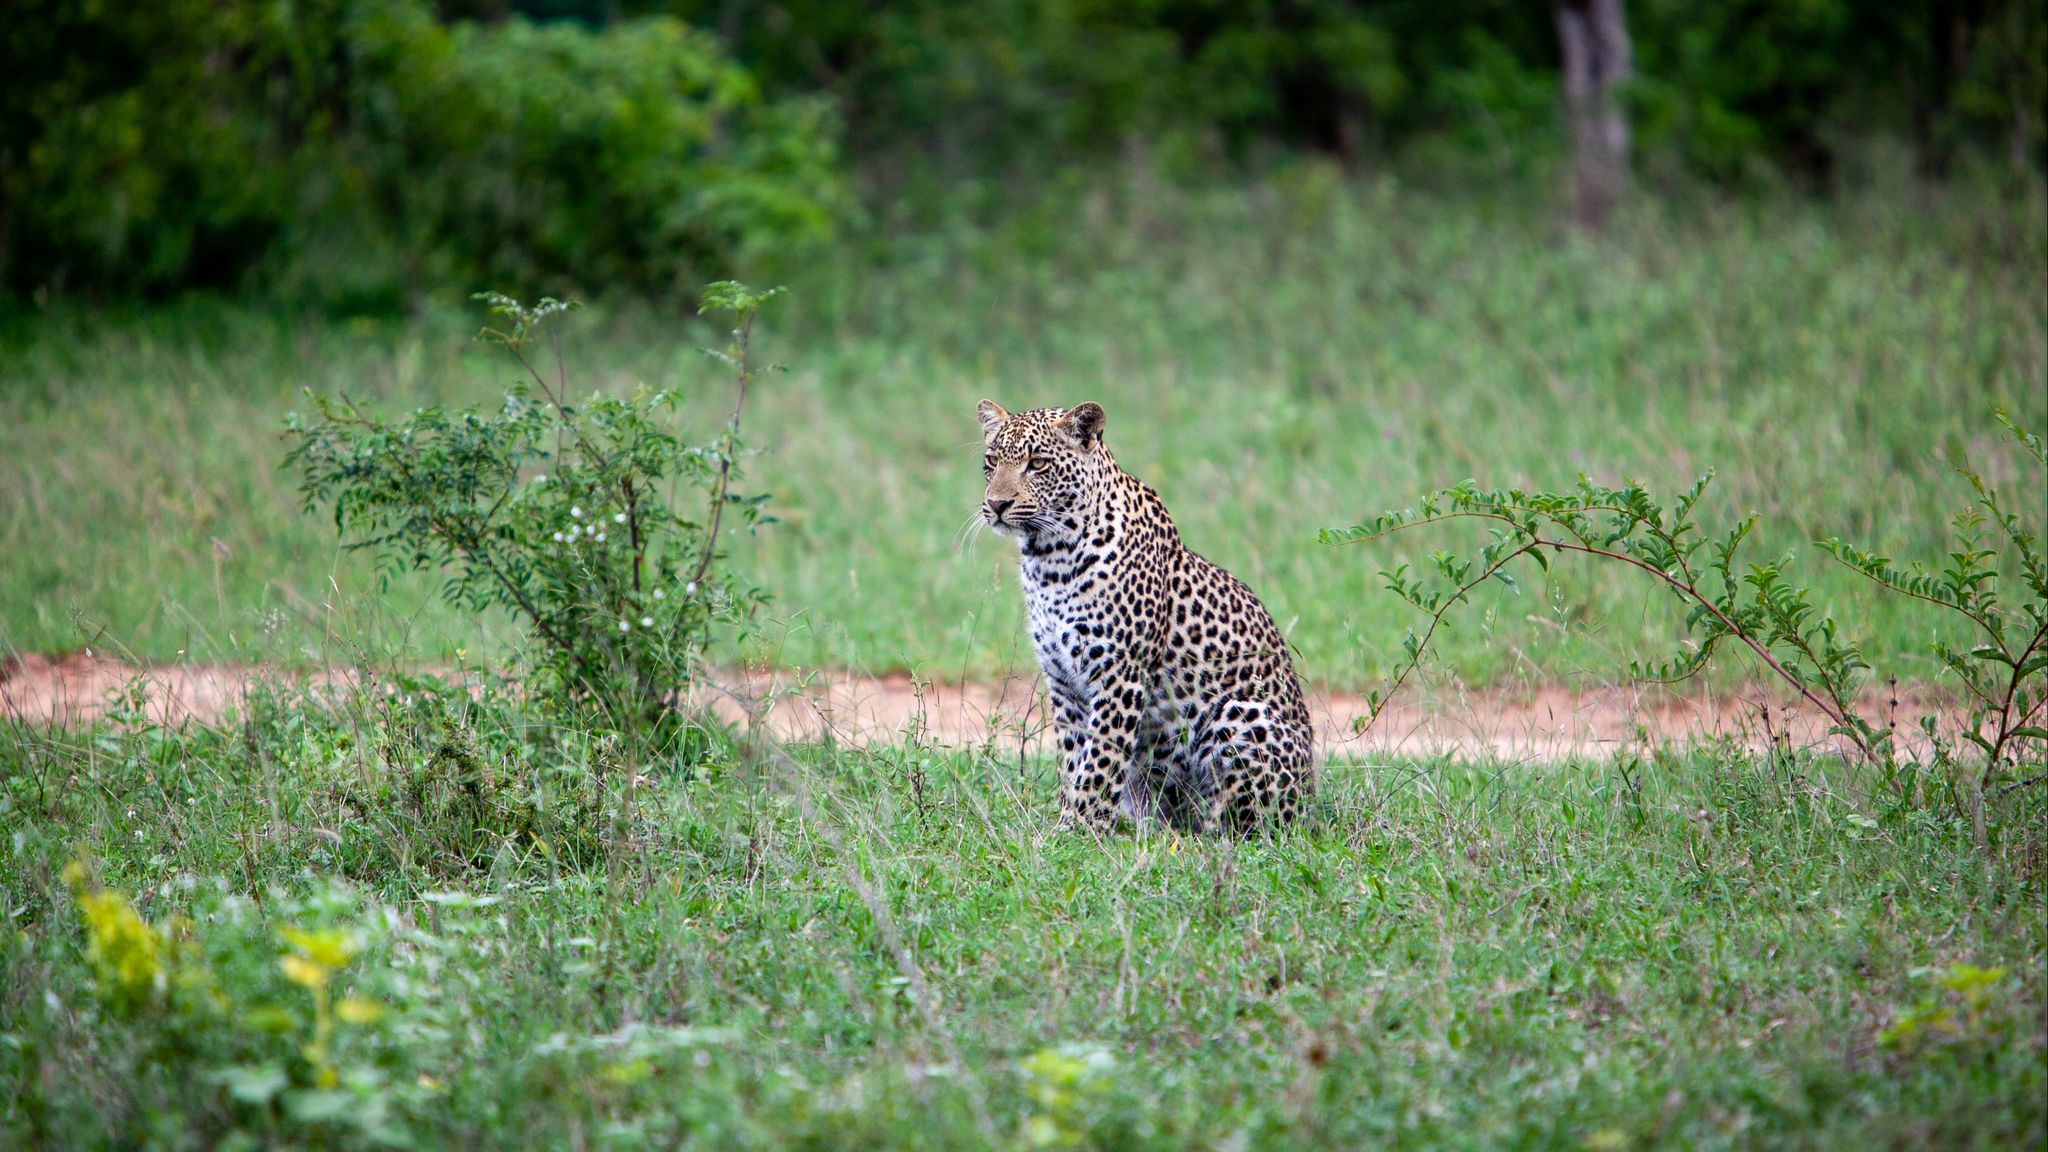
(6, 221)
(2022, 135)
(1594, 37)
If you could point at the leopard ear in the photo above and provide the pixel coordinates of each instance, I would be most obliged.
(992, 418)
(1084, 423)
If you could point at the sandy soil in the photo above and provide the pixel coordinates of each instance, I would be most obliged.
(1547, 724)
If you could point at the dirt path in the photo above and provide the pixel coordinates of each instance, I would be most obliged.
(1547, 724)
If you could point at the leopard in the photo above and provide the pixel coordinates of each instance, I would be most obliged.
(1173, 694)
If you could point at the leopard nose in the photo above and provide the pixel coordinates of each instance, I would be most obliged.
(996, 508)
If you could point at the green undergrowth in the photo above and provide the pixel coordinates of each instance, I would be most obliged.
(418, 918)
(1275, 356)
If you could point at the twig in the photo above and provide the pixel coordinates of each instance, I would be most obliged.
(2016, 785)
(1436, 618)
(732, 432)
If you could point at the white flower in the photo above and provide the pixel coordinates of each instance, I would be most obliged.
(131, 813)
(540, 478)
(625, 626)
(600, 537)
(647, 621)
(619, 518)
(660, 595)
(138, 835)
(576, 510)
(691, 589)
(558, 538)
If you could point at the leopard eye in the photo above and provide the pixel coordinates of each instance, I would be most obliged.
(988, 463)
(1034, 464)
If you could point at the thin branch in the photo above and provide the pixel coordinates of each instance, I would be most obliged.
(1973, 617)
(633, 530)
(732, 431)
(519, 354)
(1835, 710)
(1436, 618)
(561, 366)
(2016, 785)
(2012, 687)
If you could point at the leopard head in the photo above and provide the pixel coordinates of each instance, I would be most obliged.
(1039, 465)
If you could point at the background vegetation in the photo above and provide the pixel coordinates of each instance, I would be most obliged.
(366, 151)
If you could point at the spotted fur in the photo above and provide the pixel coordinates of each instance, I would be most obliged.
(1172, 690)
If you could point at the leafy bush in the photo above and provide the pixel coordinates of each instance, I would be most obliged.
(1758, 607)
(270, 1032)
(524, 153)
(582, 517)
(366, 148)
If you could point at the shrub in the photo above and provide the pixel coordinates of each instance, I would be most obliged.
(636, 156)
(269, 1033)
(365, 148)
(1757, 606)
(588, 519)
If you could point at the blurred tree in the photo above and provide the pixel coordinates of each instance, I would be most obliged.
(1966, 65)
(549, 155)
(1593, 40)
(993, 81)
(2007, 81)
(1735, 83)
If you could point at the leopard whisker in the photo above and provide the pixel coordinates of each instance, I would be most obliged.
(967, 530)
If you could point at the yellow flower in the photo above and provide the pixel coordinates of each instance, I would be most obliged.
(126, 953)
(330, 948)
(303, 972)
(357, 1010)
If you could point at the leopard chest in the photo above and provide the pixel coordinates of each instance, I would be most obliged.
(1087, 608)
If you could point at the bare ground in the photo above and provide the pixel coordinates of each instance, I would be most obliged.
(1545, 724)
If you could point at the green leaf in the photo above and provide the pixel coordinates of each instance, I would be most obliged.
(254, 1084)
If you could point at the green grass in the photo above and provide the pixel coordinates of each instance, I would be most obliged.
(1701, 951)
(1275, 358)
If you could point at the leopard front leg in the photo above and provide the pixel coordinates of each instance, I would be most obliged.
(1098, 726)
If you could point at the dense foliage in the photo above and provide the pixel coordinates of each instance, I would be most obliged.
(362, 148)
(1724, 86)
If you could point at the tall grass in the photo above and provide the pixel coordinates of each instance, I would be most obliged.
(886, 948)
(1275, 357)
